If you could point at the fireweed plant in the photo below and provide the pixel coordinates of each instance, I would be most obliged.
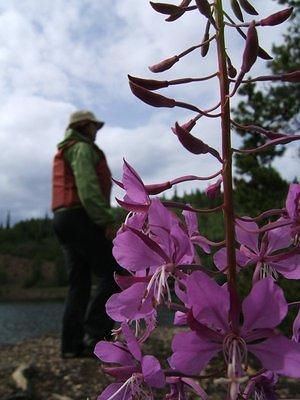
(162, 249)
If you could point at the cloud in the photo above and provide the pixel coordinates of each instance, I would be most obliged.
(59, 56)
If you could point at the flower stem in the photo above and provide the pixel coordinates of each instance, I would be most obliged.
(228, 209)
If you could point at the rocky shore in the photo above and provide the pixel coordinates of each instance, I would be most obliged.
(33, 370)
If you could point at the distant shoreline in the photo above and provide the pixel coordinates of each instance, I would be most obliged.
(17, 293)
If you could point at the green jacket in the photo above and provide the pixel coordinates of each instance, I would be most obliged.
(83, 160)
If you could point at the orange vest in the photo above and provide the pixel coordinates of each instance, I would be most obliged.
(64, 190)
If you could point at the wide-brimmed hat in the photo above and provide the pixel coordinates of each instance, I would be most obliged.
(84, 116)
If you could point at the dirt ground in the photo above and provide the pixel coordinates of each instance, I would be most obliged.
(52, 378)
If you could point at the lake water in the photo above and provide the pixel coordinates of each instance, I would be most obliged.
(19, 321)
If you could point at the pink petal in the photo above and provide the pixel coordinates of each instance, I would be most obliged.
(191, 221)
(134, 186)
(180, 290)
(124, 282)
(220, 259)
(296, 328)
(247, 238)
(292, 200)
(128, 304)
(279, 238)
(132, 342)
(137, 220)
(121, 373)
(161, 221)
(180, 318)
(265, 306)
(202, 242)
(113, 353)
(130, 206)
(132, 253)
(183, 248)
(288, 267)
(152, 372)
(279, 354)
(191, 353)
(108, 393)
(195, 386)
(210, 302)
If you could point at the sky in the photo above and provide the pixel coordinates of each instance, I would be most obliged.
(58, 56)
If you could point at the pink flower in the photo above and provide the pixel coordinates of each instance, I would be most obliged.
(154, 256)
(136, 375)
(214, 190)
(263, 309)
(196, 238)
(264, 254)
(292, 206)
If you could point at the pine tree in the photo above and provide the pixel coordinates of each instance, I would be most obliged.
(7, 225)
(275, 108)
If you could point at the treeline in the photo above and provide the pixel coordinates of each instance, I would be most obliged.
(35, 238)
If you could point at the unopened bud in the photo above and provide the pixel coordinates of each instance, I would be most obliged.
(251, 48)
(263, 54)
(188, 126)
(193, 144)
(214, 190)
(150, 84)
(232, 71)
(236, 9)
(158, 187)
(204, 8)
(164, 65)
(190, 142)
(277, 18)
(205, 46)
(178, 14)
(246, 6)
(153, 99)
(165, 8)
(291, 77)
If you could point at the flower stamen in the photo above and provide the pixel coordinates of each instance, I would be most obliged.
(159, 283)
(266, 270)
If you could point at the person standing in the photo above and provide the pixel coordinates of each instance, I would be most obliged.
(84, 225)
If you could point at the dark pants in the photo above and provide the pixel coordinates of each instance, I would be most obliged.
(86, 250)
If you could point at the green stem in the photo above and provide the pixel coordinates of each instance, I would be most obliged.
(227, 173)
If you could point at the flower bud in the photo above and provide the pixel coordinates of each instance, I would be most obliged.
(165, 8)
(158, 187)
(293, 77)
(205, 47)
(277, 18)
(214, 190)
(178, 14)
(204, 8)
(193, 144)
(153, 99)
(190, 142)
(263, 54)
(251, 48)
(232, 71)
(164, 65)
(230, 68)
(150, 84)
(188, 126)
(236, 9)
(246, 6)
